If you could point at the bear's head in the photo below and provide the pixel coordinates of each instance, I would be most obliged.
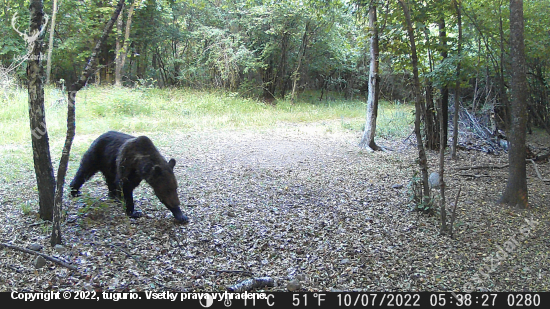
(161, 178)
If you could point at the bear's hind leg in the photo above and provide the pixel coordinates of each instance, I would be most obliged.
(113, 186)
(86, 170)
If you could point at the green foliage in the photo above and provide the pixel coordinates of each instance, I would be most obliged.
(152, 109)
(418, 202)
(91, 205)
(259, 48)
(394, 120)
(27, 207)
(120, 101)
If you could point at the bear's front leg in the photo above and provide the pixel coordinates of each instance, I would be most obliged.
(128, 192)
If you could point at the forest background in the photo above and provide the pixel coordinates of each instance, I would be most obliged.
(232, 58)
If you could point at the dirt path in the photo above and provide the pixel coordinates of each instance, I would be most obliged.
(295, 202)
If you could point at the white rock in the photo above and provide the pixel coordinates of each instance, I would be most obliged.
(433, 180)
(59, 248)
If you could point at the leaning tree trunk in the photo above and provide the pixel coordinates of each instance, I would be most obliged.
(367, 141)
(422, 160)
(73, 89)
(43, 168)
(515, 192)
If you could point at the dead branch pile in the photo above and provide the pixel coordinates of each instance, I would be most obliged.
(476, 133)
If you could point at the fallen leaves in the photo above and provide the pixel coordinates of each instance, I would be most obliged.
(306, 208)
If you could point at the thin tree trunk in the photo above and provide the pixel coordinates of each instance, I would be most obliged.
(503, 95)
(43, 168)
(457, 85)
(367, 141)
(71, 125)
(50, 44)
(279, 80)
(431, 120)
(442, 207)
(118, 52)
(515, 193)
(301, 55)
(422, 160)
(443, 122)
(122, 52)
(127, 35)
(445, 89)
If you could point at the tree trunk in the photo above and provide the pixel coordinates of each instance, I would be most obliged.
(301, 55)
(515, 192)
(422, 160)
(367, 141)
(43, 168)
(431, 120)
(443, 124)
(504, 109)
(268, 78)
(430, 116)
(118, 49)
(50, 44)
(445, 89)
(281, 68)
(71, 125)
(442, 206)
(122, 52)
(457, 85)
(127, 36)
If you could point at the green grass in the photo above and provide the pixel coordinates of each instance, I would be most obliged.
(149, 110)
(163, 110)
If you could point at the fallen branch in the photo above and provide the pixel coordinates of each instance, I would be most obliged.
(117, 247)
(129, 255)
(537, 171)
(408, 137)
(38, 223)
(461, 168)
(474, 175)
(252, 283)
(542, 157)
(47, 257)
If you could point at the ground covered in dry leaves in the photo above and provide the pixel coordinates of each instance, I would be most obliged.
(297, 203)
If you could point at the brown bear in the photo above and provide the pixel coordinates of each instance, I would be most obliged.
(125, 161)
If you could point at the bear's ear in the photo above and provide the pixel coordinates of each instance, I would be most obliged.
(172, 163)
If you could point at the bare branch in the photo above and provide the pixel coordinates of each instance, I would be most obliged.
(47, 257)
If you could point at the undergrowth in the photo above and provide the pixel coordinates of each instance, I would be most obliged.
(163, 110)
(148, 110)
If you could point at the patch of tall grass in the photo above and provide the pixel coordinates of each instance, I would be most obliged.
(99, 109)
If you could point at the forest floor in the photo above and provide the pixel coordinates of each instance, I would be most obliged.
(299, 203)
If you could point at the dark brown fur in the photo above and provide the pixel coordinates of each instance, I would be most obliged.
(125, 161)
